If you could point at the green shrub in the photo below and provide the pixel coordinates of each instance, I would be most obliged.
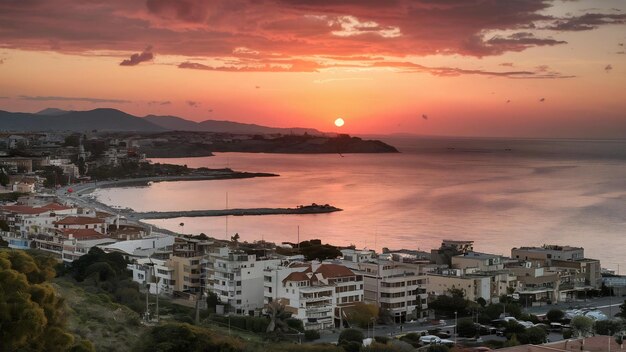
(311, 335)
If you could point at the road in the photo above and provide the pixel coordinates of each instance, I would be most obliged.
(608, 305)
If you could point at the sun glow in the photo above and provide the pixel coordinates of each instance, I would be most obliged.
(339, 122)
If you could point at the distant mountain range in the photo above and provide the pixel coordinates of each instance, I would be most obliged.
(114, 120)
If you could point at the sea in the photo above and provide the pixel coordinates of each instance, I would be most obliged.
(499, 193)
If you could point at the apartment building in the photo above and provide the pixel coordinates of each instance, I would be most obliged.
(395, 286)
(26, 221)
(237, 279)
(155, 274)
(546, 253)
(187, 263)
(448, 249)
(480, 262)
(314, 292)
(81, 222)
(69, 244)
(473, 285)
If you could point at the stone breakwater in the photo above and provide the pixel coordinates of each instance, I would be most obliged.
(310, 209)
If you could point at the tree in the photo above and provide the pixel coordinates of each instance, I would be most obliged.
(278, 317)
(350, 335)
(4, 226)
(513, 328)
(31, 305)
(212, 300)
(4, 178)
(481, 301)
(534, 335)
(622, 310)
(466, 328)
(174, 337)
(54, 176)
(235, 239)
(453, 301)
(608, 327)
(361, 314)
(582, 326)
(315, 250)
(555, 315)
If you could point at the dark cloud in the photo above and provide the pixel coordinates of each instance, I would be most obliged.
(136, 59)
(608, 68)
(193, 104)
(515, 42)
(351, 30)
(506, 64)
(184, 10)
(85, 99)
(586, 22)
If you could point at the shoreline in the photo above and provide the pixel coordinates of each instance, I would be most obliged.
(79, 196)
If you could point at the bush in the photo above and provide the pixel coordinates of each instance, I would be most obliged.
(438, 348)
(555, 315)
(412, 338)
(466, 328)
(567, 334)
(295, 324)
(381, 339)
(311, 335)
(349, 335)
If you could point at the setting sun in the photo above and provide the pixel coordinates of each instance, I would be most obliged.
(339, 122)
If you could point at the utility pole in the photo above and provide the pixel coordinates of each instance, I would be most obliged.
(456, 328)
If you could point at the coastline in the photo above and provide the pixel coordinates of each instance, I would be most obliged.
(79, 196)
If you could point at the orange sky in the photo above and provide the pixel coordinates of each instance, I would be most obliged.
(474, 67)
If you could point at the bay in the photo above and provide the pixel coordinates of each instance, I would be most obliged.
(500, 193)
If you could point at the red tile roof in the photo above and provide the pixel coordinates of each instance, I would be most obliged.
(83, 234)
(56, 206)
(330, 271)
(27, 209)
(297, 276)
(79, 220)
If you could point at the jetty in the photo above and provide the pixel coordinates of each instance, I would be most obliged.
(306, 209)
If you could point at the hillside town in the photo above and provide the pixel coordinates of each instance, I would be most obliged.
(321, 285)
(316, 283)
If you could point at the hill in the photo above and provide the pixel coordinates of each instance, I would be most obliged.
(179, 124)
(76, 121)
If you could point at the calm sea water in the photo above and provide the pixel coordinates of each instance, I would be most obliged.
(499, 193)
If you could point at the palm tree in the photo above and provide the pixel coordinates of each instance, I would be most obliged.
(278, 315)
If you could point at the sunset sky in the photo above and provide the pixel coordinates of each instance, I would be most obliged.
(524, 68)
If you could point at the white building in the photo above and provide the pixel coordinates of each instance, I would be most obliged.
(314, 293)
(395, 286)
(237, 278)
(155, 273)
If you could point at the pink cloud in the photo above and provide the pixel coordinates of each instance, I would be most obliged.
(291, 30)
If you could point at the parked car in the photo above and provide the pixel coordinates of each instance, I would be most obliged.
(443, 334)
(486, 330)
(430, 339)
